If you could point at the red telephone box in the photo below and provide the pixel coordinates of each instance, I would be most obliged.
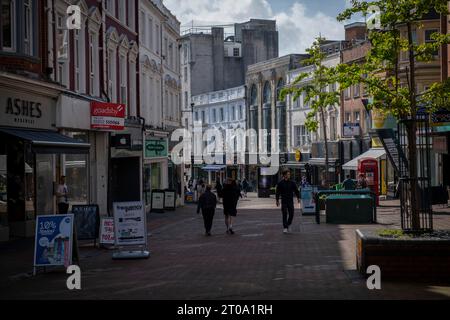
(369, 167)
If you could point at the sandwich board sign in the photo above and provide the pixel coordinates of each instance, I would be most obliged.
(54, 241)
(130, 230)
(107, 231)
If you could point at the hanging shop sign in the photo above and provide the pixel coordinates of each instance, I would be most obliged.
(107, 116)
(155, 148)
(53, 240)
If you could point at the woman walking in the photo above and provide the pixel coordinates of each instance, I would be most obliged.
(207, 204)
(230, 195)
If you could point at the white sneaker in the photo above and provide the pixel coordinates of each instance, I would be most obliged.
(285, 230)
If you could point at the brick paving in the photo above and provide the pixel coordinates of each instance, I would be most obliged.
(258, 262)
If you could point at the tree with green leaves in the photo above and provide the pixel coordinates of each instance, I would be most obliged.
(391, 82)
(316, 93)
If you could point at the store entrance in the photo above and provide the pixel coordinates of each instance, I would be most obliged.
(125, 179)
(45, 170)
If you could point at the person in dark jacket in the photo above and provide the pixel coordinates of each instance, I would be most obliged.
(207, 204)
(219, 189)
(286, 190)
(230, 194)
(349, 184)
(245, 186)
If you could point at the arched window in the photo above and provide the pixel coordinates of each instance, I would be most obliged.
(267, 92)
(253, 95)
(280, 86)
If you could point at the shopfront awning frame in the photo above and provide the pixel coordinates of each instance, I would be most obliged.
(48, 142)
(375, 153)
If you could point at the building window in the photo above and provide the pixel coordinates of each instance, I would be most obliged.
(150, 34)
(347, 93)
(8, 24)
(93, 65)
(131, 22)
(301, 136)
(221, 115)
(203, 116)
(348, 117)
(123, 11)
(79, 53)
(236, 52)
(132, 81)
(356, 91)
(112, 75)
(142, 27)
(233, 113)
(28, 27)
(110, 6)
(267, 93)
(61, 45)
(241, 113)
(185, 74)
(356, 116)
(428, 39)
(123, 82)
(196, 115)
(186, 100)
(214, 116)
(157, 38)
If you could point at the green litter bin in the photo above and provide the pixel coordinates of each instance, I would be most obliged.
(351, 209)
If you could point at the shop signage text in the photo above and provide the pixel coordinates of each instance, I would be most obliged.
(155, 148)
(107, 116)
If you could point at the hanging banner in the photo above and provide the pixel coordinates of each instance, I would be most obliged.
(107, 231)
(129, 223)
(107, 116)
(53, 240)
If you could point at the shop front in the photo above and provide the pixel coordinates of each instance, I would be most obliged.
(317, 164)
(156, 165)
(33, 157)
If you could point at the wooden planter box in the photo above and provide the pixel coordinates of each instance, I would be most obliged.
(417, 259)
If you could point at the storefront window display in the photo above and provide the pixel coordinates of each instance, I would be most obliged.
(76, 170)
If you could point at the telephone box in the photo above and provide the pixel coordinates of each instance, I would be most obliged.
(369, 167)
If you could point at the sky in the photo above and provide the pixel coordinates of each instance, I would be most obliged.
(298, 21)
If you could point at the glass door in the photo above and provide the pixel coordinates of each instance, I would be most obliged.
(45, 168)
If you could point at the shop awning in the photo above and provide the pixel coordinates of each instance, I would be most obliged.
(375, 153)
(45, 141)
(214, 167)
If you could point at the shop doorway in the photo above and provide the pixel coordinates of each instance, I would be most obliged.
(45, 169)
(125, 179)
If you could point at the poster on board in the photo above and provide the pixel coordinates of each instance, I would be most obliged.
(53, 240)
(307, 197)
(129, 223)
(107, 231)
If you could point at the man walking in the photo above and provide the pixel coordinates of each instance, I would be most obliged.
(286, 190)
(349, 184)
(207, 203)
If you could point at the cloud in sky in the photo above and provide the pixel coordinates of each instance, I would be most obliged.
(297, 27)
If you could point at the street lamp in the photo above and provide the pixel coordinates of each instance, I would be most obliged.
(192, 146)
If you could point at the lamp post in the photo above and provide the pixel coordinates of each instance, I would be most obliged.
(193, 140)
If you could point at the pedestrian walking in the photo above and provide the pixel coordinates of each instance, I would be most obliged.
(348, 183)
(200, 188)
(207, 204)
(362, 182)
(245, 186)
(286, 189)
(230, 199)
(62, 193)
(219, 189)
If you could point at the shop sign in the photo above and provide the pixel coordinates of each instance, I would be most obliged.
(129, 223)
(25, 110)
(53, 240)
(298, 155)
(107, 116)
(351, 129)
(155, 148)
(107, 231)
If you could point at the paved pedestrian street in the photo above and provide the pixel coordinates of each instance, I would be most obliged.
(258, 262)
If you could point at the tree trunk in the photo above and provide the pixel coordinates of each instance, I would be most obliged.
(325, 139)
(412, 146)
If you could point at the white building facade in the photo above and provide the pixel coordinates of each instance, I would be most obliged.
(160, 92)
(220, 110)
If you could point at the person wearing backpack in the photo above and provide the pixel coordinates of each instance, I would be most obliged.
(207, 204)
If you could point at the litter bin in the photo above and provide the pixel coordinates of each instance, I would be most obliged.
(352, 209)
